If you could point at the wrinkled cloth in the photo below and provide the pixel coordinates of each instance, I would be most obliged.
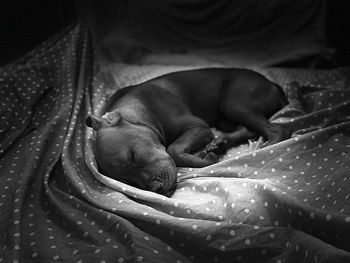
(288, 202)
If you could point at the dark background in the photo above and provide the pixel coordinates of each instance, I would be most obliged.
(24, 24)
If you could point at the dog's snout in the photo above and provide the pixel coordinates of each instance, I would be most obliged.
(165, 191)
(165, 181)
(172, 189)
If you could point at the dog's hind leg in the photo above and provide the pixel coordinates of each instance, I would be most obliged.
(255, 122)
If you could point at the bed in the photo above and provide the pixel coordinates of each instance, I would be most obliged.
(288, 202)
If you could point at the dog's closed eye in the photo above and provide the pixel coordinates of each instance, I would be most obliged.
(132, 157)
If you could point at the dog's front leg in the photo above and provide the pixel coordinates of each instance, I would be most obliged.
(194, 138)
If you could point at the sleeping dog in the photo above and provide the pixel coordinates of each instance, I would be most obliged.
(150, 128)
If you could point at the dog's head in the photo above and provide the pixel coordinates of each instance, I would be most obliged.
(132, 152)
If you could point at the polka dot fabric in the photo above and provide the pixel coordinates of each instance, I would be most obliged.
(284, 203)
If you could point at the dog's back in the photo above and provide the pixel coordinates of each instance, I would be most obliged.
(203, 91)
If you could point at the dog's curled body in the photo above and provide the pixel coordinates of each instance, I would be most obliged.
(151, 128)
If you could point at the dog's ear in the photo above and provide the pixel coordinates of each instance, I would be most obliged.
(95, 122)
(113, 118)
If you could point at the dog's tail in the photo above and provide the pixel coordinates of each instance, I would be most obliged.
(283, 94)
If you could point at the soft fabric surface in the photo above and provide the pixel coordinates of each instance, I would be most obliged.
(285, 203)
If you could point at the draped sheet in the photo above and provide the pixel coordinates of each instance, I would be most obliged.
(288, 202)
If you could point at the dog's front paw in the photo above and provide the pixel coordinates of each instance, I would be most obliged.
(211, 157)
(218, 145)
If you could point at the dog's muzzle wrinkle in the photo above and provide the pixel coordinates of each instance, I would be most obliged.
(166, 178)
(165, 174)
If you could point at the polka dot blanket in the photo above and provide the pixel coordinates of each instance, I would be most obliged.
(284, 203)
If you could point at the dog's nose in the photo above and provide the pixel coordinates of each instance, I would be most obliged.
(172, 189)
(167, 192)
(164, 189)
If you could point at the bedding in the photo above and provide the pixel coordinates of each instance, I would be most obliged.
(288, 202)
